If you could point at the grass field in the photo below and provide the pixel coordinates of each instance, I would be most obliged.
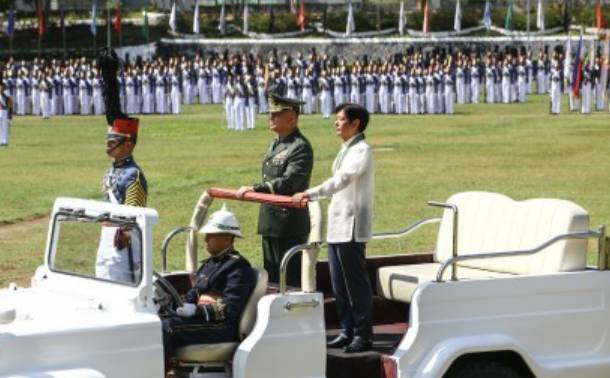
(516, 149)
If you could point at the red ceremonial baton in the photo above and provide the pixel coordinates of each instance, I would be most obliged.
(270, 199)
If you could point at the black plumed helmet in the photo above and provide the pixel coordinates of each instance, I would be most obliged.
(109, 64)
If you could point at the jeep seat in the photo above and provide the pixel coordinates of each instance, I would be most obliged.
(219, 353)
(492, 222)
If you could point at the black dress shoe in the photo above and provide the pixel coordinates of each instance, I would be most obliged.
(339, 341)
(358, 345)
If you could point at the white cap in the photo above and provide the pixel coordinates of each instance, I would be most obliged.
(222, 222)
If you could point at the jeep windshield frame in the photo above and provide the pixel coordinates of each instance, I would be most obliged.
(103, 219)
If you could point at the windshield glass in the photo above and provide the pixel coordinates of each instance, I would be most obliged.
(98, 247)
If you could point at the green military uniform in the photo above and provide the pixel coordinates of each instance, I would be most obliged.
(286, 170)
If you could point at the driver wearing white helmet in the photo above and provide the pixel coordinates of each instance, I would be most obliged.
(224, 282)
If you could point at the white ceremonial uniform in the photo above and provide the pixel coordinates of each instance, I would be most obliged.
(325, 98)
(146, 95)
(262, 98)
(35, 96)
(130, 95)
(307, 96)
(46, 93)
(229, 94)
(586, 92)
(529, 68)
(354, 90)
(5, 122)
(397, 94)
(113, 263)
(521, 83)
(239, 107)
(83, 94)
(250, 106)
(57, 99)
(202, 84)
(430, 97)
(187, 96)
(216, 87)
(67, 97)
(20, 97)
(555, 91)
(474, 85)
(489, 85)
(541, 77)
(448, 86)
(370, 93)
(337, 90)
(160, 93)
(98, 100)
(459, 85)
(506, 95)
(413, 97)
(175, 94)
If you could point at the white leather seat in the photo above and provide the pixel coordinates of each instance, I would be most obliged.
(492, 222)
(223, 352)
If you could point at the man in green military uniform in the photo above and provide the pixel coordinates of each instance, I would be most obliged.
(286, 170)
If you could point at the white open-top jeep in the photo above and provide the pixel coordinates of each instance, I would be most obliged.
(506, 293)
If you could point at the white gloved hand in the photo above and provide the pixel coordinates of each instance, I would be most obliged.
(187, 310)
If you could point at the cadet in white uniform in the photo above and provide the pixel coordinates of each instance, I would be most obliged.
(448, 85)
(555, 89)
(325, 99)
(6, 106)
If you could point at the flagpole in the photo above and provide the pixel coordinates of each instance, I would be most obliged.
(108, 42)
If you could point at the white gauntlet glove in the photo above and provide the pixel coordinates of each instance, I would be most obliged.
(187, 310)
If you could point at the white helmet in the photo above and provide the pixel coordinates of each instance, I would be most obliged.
(222, 222)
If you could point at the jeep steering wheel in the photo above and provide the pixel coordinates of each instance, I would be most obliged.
(166, 287)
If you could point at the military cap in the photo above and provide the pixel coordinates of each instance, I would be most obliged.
(278, 103)
(123, 128)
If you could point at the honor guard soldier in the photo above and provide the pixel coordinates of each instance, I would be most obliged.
(119, 256)
(286, 170)
(224, 282)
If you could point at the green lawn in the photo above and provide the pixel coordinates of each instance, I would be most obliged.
(516, 149)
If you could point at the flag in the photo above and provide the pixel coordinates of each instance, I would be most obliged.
(145, 28)
(116, 22)
(540, 16)
(426, 23)
(487, 15)
(301, 18)
(93, 19)
(600, 21)
(40, 16)
(246, 19)
(172, 17)
(196, 29)
(402, 19)
(577, 72)
(457, 18)
(350, 25)
(222, 23)
(10, 24)
(508, 21)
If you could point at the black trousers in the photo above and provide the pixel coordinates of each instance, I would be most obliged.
(179, 332)
(274, 250)
(352, 288)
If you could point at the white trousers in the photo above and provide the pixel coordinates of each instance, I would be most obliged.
(4, 127)
(114, 264)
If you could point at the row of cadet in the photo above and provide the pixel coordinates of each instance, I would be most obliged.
(413, 83)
